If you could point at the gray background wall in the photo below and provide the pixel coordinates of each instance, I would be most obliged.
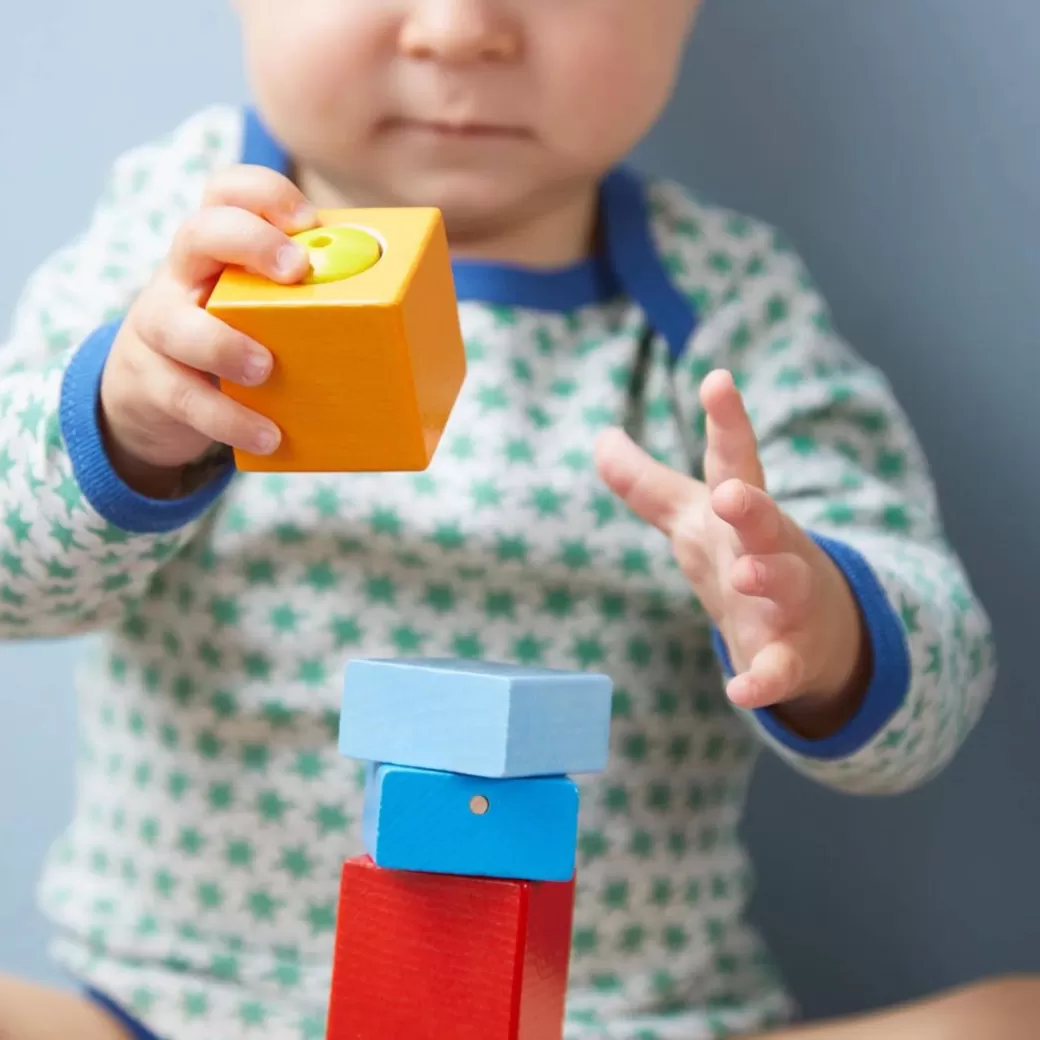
(898, 142)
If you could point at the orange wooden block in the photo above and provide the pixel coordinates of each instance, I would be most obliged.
(367, 367)
(445, 957)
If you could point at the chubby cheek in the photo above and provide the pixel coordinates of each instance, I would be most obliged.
(597, 123)
(317, 79)
(611, 87)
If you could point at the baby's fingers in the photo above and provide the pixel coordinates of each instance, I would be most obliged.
(264, 192)
(775, 675)
(186, 334)
(190, 399)
(732, 449)
(756, 519)
(785, 579)
(218, 236)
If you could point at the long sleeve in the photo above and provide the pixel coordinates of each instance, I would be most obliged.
(841, 458)
(75, 542)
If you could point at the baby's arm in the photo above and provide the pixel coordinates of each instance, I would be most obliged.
(74, 540)
(841, 459)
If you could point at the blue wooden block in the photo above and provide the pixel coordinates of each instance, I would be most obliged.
(481, 718)
(447, 823)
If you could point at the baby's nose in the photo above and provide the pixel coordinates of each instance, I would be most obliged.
(459, 31)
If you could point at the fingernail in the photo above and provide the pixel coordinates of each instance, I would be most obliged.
(290, 259)
(265, 441)
(305, 215)
(256, 367)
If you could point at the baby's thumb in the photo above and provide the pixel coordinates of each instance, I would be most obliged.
(653, 491)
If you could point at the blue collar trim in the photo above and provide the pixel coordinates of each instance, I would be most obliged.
(560, 289)
(630, 263)
(259, 147)
(639, 266)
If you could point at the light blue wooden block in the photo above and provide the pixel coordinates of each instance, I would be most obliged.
(446, 823)
(481, 718)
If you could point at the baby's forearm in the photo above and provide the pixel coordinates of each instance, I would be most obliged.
(64, 567)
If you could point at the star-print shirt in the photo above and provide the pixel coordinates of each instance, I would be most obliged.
(196, 884)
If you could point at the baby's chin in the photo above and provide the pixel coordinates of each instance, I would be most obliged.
(472, 186)
(469, 199)
(480, 200)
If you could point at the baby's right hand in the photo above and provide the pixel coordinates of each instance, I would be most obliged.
(161, 406)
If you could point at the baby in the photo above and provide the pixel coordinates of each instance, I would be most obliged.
(665, 465)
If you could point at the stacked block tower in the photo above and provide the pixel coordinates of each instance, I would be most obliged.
(455, 923)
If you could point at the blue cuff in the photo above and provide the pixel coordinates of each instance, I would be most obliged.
(890, 677)
(101, 486)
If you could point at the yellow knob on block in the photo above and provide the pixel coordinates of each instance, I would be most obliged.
(337, 252)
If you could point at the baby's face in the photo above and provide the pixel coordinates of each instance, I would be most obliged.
(476, 106)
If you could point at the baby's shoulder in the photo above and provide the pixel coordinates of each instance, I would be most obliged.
(714, 253)
(175, 164)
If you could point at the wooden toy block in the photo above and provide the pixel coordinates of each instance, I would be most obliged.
(440, 957)
(475, 717)
(416, 819)
(369, 355)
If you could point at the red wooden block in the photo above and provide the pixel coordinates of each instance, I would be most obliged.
(443, 957)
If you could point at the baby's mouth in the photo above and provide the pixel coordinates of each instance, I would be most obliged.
(462, 130)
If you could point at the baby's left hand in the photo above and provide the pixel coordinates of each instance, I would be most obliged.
(790, 622)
